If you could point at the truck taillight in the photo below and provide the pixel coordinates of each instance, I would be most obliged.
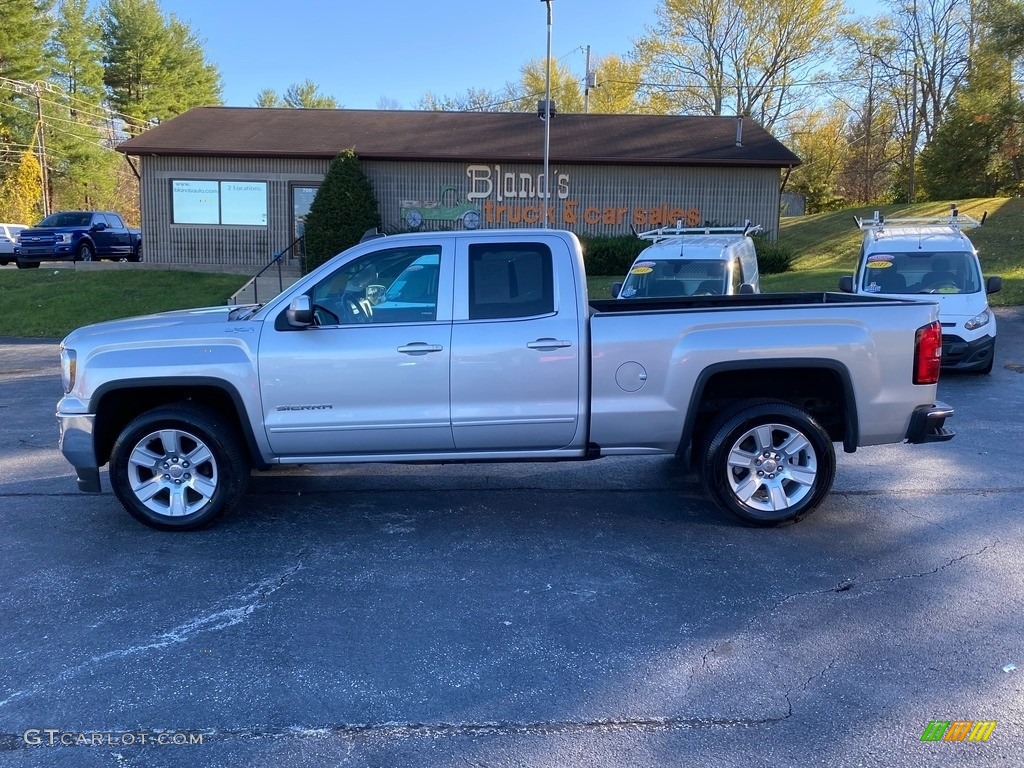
(928, 353)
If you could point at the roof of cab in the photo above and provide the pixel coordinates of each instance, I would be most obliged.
(704, 247)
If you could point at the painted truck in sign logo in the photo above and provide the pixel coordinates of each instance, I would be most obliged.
(447, 208)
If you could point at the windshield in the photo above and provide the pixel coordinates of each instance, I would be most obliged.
(73, 219)
(921, 272)
(675, 277)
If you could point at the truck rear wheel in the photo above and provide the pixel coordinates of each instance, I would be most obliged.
(768, 463)
(179, 467)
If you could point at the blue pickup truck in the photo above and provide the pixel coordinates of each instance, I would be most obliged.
(78, 236)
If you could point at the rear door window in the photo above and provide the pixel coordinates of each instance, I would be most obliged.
(510, 280)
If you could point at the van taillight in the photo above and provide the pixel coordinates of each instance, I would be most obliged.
(928, 353)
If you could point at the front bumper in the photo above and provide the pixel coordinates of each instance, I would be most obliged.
(927, 424)
(77, 445)
(960, 355)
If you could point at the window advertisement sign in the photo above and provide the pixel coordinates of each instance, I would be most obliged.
(195, 202)
(243, 202)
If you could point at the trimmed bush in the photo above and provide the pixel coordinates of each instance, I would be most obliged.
(343, 209)
(606, 255)
(773, 257)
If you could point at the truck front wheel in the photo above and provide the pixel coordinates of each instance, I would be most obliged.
(768, 463)
(178, 467)
(85, 252)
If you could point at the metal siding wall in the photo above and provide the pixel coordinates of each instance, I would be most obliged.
(722, 196)
(204, 244)
(626, 194)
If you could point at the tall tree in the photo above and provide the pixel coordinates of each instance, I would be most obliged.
(154, 67)
(25, 25)
(21, 191)
(823, 147)
(747, 57)
(471, 100)
(617, 84)
(82, 165)
(978, 150)
(307, 95)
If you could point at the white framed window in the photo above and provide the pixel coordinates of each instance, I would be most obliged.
(197, 201)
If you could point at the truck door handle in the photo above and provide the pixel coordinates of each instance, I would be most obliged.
(419, 348)
(546, 345)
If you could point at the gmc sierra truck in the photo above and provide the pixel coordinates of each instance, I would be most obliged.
(78, 236)
(483, 346)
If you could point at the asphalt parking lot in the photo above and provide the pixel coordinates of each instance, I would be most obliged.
(590, 614)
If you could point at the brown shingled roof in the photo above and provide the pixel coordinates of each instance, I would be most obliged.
(461, 136)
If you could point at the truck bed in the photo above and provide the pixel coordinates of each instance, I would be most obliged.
(746, 301)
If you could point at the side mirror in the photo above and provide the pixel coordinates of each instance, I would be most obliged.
(846, 283)
(616, 287)
(994, 284)
(375, 294)
(746, 289)
(99, 226)
(300, 312)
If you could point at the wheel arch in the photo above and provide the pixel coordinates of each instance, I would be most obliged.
(822, 387)
(116, 404)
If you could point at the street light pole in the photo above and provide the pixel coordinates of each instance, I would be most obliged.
(547, 122)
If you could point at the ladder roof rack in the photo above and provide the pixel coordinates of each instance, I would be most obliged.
(664, 233)
(955, 219)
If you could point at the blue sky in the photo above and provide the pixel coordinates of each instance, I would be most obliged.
(358, 52)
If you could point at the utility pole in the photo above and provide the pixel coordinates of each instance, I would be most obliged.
(41, 127)
(587, 85)
(547, 123)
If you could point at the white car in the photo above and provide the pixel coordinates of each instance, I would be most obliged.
(920, 257)
(9, 239)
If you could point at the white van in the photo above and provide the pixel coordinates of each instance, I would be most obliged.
(697, 261)
(915, 257)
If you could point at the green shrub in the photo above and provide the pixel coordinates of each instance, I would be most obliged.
(343, 209)
(606, 255)
(773, 257)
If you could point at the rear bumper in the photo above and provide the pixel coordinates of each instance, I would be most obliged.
(927, 424)
(76, 443)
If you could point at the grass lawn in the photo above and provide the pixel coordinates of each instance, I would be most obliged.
(51, 302)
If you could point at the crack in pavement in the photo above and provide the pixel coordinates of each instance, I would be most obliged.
(847, 584)
(250, 601)
(15, 741)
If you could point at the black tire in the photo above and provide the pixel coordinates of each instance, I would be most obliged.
(187, 482)
(28, 264)
(85, 252)
(136, 253)
(791, 451)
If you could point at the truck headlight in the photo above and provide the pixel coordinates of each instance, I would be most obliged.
(63, 237)
(978, 320)
(68, 368)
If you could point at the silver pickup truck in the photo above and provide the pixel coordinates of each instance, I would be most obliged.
(482, 346)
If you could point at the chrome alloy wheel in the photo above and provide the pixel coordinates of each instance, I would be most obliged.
(772, 467)
(172, 472)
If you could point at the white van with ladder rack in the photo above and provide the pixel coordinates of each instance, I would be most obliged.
(693, 261)
(931, 256)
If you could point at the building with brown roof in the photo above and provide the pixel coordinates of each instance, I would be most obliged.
(233, 185)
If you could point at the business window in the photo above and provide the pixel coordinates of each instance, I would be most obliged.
(219, 202)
